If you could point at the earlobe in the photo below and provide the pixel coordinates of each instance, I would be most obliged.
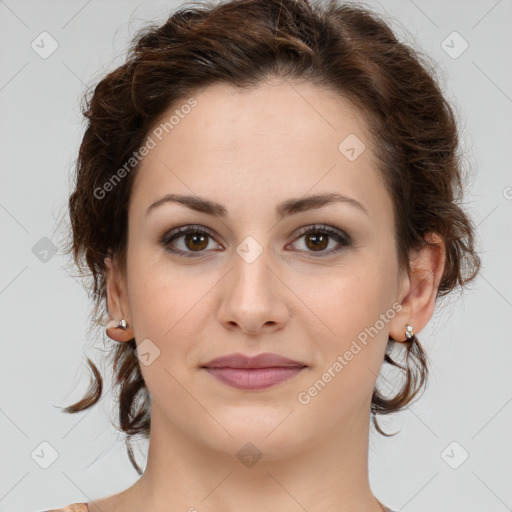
(119, 330)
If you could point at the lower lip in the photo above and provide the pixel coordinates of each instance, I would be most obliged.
(254, 378)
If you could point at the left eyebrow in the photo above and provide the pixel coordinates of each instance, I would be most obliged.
(292, 206)
(288, 207)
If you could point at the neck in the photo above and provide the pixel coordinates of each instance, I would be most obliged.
(329, 473)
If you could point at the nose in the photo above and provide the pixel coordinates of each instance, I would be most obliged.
(253, 296)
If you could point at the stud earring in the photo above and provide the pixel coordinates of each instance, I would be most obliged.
(113, 327)
(409, 333)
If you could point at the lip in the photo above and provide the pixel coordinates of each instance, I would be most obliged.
(265, 360)
(253, 373)
(254, 378)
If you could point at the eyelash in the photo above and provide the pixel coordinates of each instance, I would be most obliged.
(338, 235)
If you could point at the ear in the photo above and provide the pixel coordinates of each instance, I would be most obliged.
(117, 301)
(419, 288)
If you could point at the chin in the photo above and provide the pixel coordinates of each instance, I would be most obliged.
(253, 447)
(270, 433)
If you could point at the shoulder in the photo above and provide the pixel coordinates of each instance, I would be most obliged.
(74, 507)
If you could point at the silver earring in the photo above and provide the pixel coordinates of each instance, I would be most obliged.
(409, 333)
(122, 324)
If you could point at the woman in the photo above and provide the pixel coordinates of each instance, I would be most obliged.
(266, 198)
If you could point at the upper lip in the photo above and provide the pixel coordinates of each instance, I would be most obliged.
(265, 360)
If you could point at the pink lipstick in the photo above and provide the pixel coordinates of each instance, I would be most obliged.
(253, 373)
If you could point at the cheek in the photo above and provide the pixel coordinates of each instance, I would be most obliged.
(171, 308)
(349, 338)
(353, 296)
(350, 310)
(168, 325)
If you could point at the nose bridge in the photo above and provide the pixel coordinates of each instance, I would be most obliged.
(252, 299)
(252, 276)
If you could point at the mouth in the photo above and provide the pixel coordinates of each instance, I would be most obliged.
(261, 371)
(254, 378)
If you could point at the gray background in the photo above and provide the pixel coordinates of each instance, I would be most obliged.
(44, 309)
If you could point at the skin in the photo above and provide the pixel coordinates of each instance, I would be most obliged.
(250, 150)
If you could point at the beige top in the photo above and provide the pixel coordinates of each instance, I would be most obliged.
(83, 507)
(74, 507)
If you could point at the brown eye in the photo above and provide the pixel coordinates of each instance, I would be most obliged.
(317, 242)
(317, 238)
(196, 241)
(193, 239)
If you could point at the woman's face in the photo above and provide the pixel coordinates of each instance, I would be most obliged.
(256, 282)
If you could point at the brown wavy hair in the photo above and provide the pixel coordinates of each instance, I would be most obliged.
(340, 46)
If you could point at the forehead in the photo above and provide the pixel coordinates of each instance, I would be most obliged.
(278, 140)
